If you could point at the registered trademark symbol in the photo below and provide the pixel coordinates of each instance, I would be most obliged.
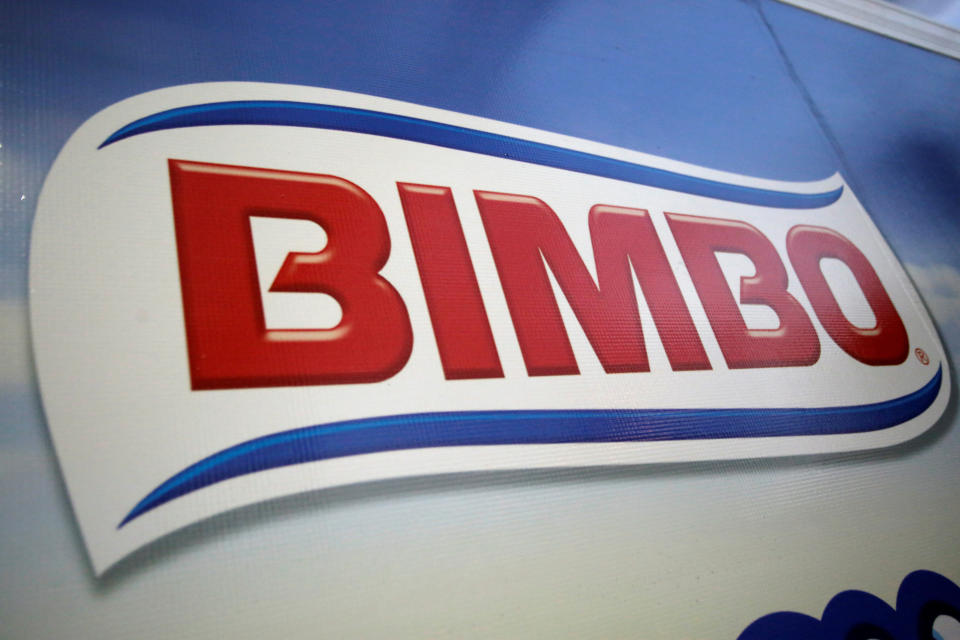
(922, 356)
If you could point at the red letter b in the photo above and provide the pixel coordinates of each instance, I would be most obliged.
(228, 342)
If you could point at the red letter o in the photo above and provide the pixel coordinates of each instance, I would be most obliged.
(885, 343)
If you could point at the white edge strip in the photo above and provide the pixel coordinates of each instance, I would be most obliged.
(889, 20)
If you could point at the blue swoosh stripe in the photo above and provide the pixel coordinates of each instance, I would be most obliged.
(324, 116)
(468, 428)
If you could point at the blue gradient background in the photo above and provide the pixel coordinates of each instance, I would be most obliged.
(696, 550)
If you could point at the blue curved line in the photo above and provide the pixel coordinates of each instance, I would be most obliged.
(325, 116)
(471, 428)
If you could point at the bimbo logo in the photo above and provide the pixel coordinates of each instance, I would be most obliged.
(274, 289)
(230, 346)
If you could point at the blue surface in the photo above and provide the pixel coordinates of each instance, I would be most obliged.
(472, 428)
(707, 82)
(693, 80)
(893, 111)
(378, 123)
(696, 81)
